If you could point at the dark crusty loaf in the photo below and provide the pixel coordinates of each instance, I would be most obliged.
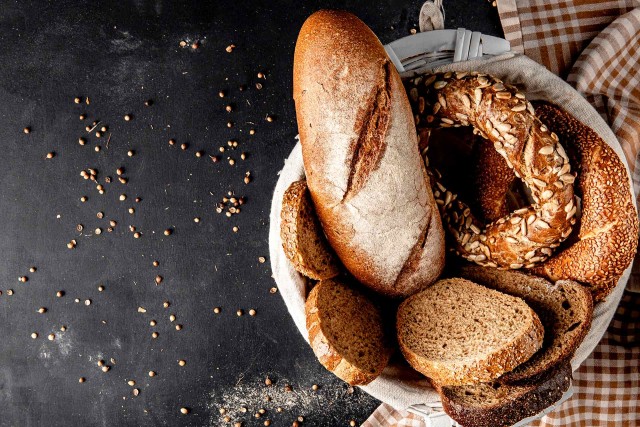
(303, 240)
(501, 405)
(346, 332)
(457, 332)
(565, 310)
(361, 159)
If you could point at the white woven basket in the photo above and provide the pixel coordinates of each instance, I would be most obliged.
(400, 386)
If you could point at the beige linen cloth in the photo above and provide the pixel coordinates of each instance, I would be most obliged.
(595, 45)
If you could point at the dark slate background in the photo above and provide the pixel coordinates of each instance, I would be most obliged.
(120, 54)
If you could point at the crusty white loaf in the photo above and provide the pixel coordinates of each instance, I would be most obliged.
(361, 157)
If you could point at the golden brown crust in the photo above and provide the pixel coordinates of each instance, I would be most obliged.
(501, 114)
(303, 241)
(492, 178)
(607, 237)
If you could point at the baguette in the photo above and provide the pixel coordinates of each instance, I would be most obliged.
(361, 157)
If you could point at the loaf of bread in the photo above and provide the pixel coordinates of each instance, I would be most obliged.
(303, 240)
(565, 310)
(346, 332)
(361, 157)
(457, 332)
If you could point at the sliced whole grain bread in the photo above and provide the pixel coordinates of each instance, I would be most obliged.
(457, 332)
(500, 405)
(303, 240)
(565, 310)
(346, 332)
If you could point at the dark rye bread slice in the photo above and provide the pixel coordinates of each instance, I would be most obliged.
(346, 332)
(502, 405)
(457, 332)
(565, 310)
(302, 237)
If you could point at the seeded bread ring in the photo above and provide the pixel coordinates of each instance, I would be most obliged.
(502, 115)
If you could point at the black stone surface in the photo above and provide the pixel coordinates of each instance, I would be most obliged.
(120, 54)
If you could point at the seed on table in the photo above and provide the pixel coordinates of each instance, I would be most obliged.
(243, 156)
(257, 415)
(131, 153)
(122, 180)
(132, 211)
(26, 130)
(100, 288)
(82, 141)
(119, 171)
(77, 300)
(106, 368)
(352, 423)
(269, 119)
(34, 335)
(127, 117)
(221, 94)
(113, 223)
(100, 215)
(158, 280)
(261, 259)
(221, 149)
(182, 362)
(267, 422)
(196, 220)
(87, 302)
(168, 232)
(198, 154)
(100, 362)
(83, 116)
(97, 148)
(237, 424)
(194, 45)
(51, 337)
(178, 327)
(63, 328)
(98, 134)
(154, 335)
(252, 312)
(9, 292)
(152, 373)
(314, 387)
(60, 294)
(87, 128)
(153, 323)
(300, 418)
(172, 318)
(166, 304)
(240, 312)
(235, 229)
(273, 290)
(138, 199)
(229, 124)
(136, 235)
(103, 128)
(148, 103)
(279, 409)
(77, 100)
(123, 197)
(107, 179)
(214, 159)
(50, 155)
(216, 310)
(98, 230)
(42, 310)
(232, 162)
(136, 391)
(258, 86)
(252, 131)
(99, 187)
(184, 146)
(22, 279)
(81, 379)
(184, 411)
(131, 383)
(230, 48)
(267, 381)
(183, 43)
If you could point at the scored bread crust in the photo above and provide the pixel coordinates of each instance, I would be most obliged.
(608, 234)
(302, 237)
(565, 310)
(458, 371)
(512, 403)
(361, 157)
(327, 352)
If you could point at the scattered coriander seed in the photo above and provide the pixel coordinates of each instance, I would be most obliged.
(100, 288)
(158, 280)
(81, 379)
(142, 310)
(352, 423)
(136, 391)
(100, 188)
(261, 259)
(154, 335)
(123, 180)
(107, 179)
(22, 279)
(261, 411)
(60, 294)
(194, 45)
(9, 292)
(26, 130)
(279, 409)
(63, 328)
(34, 335)
(301, 418)
(113, 223)
(229, 124)
(155, 263)
(252, 312)
(82, 141)
(230, 48)
(100, 362)
(119, 171)
(172, 318)
(77, 100)
(98, 231)
(237, 424)
(221, 94)
(152, 373)
(103, 128)
(196, 220)
(153, 323)
(270, 119)
(138, 199)
(182, 362)
(148, 103)
(178, 327)
(131, 153)
(183, 43)
(76, 300)
(132, 228)
(247, 180)
(214, 159)
(131, 383)
(198, 154)
(221, 149)
(123, 197)
(168, 232)
(51, 337)
(184, 411)
(97, 148)
(241, 88)
(257, 415)
(106, 368)
(243, 156)
(261, 75)
(109, 229)
(243, 409)
(314, 387)
(98, 134)
(166, 304)
(232, 162)
(127, 117)
(184, 146)
(235, 229)
(239, 312)
(87, 302)
(229, 108)
(132, 211)
(413, 31)
(258, 86)
(252, 131)
(87, 128)
(100, 215)
(42, 310)
(50, 155)
(216, 310)
(136, 235)
(83, 116)
(267, 422)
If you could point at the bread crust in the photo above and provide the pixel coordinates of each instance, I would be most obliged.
(326, 351)
(302, 237)
(361, 157)
(607, 236)
(515, 402)
(457, 372)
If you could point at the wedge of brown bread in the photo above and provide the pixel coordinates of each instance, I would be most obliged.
(302, 237)
(457, 332)
(346, 332)
(565, 310)
(501, 405)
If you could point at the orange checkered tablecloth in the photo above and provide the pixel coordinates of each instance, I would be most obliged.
(595, 46)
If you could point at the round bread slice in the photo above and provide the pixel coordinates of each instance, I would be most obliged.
(346, 332)
(302, 237)
(565, 310)
(457, 332)
(500, 405)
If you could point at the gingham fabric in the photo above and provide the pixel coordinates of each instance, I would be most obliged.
(595, 45)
